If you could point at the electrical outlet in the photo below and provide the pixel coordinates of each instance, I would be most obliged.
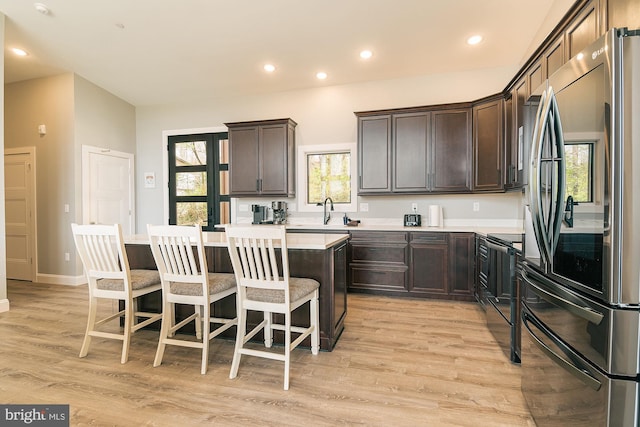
(476, 206)
(364, 207)
(67, 257)
(414, 207)
(243, 208)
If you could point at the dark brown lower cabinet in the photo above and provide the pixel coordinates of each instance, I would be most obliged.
(429, 264)
(378, 262)
(412, 264)
(461, 266)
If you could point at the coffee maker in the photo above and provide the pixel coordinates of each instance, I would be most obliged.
(260, 214)
(279, 212)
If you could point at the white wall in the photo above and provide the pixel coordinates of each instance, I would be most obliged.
(324, 115)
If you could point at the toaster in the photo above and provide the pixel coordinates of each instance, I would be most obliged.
(412, 220)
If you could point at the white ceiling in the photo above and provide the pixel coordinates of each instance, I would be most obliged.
(175, 51)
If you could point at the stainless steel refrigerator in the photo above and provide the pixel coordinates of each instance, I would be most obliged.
(581, 285)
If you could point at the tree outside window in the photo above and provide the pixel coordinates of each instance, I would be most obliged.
(329, 175)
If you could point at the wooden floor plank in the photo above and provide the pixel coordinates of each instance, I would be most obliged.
(399, 362)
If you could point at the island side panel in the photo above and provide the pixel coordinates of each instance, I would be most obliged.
(316, 264)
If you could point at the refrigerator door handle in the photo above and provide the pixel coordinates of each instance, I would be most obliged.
(584, 312)
(558, 139)
(582, 374)
(547, 119)
(535, 201)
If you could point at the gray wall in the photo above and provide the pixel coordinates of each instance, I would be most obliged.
(4, 303)
(76, 112)
(47, 101)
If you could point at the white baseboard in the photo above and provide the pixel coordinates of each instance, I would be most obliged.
(4, 305)
(55, 279)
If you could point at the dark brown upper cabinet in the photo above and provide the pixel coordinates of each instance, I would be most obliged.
(418, 150)
(554, 57)
(410, 142)
(535, 75)
(374, 154)
(584, 29)
(488, 158)
(451, 150)
(262, 158)
(516, 153)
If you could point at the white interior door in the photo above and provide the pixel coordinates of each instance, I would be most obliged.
(20, 172)
(107, 187)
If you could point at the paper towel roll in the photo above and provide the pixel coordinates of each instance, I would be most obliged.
(435, 216)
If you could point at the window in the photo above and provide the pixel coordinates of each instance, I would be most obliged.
(329, 175)
(327, 171)
(579, 171)
(198, 180)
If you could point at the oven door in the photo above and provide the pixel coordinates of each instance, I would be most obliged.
(500, 297)
(605, 336)
(562, 388)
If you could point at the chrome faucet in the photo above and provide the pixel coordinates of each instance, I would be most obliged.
(326, 217)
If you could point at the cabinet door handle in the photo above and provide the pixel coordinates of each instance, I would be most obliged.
(257, 185)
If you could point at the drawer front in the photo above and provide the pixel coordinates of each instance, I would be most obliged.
(388, 254)
(379, 237)
(378, 278)
(429, 237)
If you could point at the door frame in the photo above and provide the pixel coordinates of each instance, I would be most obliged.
(86, 174)
(31, 152)
(165, 164)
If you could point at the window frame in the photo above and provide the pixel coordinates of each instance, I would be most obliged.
(597, 164)
(302, 152)
(590, 145)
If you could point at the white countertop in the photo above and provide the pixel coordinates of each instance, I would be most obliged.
(483, 230)
(294, 240)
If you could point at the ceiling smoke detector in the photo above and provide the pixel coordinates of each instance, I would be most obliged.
(42, 8)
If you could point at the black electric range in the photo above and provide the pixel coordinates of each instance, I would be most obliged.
(501, 293)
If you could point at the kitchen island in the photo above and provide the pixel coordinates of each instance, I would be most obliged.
(322, 257)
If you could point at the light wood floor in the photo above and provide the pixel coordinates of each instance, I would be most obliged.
(398, 363)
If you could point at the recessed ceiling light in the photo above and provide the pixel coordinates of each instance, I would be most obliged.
(321, 75)
(19, 51)
(366, 54)
(474, 39)
(269, 68)
(42, 8)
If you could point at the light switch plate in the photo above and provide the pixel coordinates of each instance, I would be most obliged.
(364, 207)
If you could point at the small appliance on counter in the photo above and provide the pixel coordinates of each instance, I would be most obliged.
(435, 216)
(412, 220)
(260, 214)
(279, 212)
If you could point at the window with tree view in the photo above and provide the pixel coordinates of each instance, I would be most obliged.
(579, 171)
(329, 175)
(198, 180)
